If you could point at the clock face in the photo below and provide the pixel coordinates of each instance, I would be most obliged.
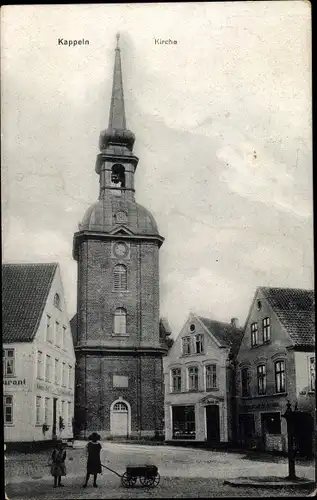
(120, 249)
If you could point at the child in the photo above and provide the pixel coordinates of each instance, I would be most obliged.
(58, 468)
(93, 462)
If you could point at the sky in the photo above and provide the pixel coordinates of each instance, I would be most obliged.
(223, 131)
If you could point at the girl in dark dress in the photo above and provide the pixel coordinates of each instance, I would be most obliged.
(58, 468)
(93, 461)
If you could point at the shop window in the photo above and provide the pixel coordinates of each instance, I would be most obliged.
(186, 346)
(199, 344)
(8, 362)
(280, 376)
(261, 373)
(8, 409)
(271, 423)
(120, 321)
(193, 378)
(245, 382)
(176, 379)
(254, 334)
(266, 325)
(211, 377)
(183, 422)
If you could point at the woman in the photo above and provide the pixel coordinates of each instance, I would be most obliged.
(93, 462)
(58, 468)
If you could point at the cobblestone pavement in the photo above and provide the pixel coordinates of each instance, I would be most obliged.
(184, 472)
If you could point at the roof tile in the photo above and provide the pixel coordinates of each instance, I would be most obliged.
(295, 309)
(227, 334)
(25, 288)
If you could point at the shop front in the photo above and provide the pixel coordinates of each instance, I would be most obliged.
(261, 426)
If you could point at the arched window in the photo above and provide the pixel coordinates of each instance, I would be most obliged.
(120, 408)
(57, 301)
(120, 321)
(120, 278)
(118, 176)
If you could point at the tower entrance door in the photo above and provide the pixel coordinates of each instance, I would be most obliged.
(119, 419)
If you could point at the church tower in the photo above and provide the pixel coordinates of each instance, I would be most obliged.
(119, 349)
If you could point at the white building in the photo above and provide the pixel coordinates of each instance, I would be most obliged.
(38, 354)
(198, 378)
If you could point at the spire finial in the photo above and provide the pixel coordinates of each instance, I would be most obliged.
(118, 38)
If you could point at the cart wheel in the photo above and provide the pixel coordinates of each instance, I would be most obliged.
(147, 481)
(156, 480)
(128, 481)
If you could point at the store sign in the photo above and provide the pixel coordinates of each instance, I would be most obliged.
(261, 406)
(14, 382)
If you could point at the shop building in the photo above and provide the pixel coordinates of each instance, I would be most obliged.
(199, 379)
(37, 354)
(276, 364)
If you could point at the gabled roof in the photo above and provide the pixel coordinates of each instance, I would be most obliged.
(25, 288)
(226, 333)
(295, 309)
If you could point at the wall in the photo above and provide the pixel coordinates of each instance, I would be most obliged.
(97, 299)
(97, 302)
(21, 386)
(96, 392)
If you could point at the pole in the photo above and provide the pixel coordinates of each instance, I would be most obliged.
(290, 446)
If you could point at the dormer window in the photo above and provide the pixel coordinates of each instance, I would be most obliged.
(57, 301)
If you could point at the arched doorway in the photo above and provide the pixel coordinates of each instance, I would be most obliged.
(120, 418)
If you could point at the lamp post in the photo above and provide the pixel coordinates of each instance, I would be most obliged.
(289, 416)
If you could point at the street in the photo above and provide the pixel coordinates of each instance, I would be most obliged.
(184, 472)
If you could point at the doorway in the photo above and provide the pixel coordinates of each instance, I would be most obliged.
(213, 423)
(119, 419)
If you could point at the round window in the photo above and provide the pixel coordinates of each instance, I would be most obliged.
(192, 327)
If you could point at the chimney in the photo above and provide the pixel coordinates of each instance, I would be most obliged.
(234, 322)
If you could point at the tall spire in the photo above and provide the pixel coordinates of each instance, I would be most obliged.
(117, 113)
(117, 134)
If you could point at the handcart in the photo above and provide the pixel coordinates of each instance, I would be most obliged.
(147, 474)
